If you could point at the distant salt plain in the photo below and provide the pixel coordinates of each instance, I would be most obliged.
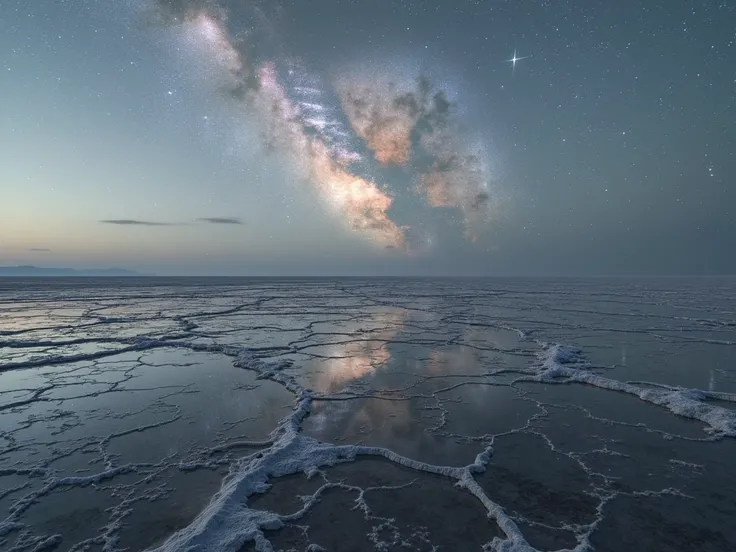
(255, 414)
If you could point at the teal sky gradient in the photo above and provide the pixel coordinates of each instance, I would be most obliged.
(609, 150)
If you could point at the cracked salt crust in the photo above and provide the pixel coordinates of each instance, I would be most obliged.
(127, 398)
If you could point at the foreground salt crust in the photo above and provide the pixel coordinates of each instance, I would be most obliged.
(227, 523)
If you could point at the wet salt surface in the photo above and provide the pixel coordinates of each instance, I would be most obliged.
(360, 415)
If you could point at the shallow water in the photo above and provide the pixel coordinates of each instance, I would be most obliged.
(233, 414)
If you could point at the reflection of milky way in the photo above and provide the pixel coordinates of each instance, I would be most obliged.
(411, 125)
(351, 361)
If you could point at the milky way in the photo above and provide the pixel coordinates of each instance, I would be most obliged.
(411, 125)
(415, 125)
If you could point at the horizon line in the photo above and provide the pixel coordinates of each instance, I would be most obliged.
(365, 276)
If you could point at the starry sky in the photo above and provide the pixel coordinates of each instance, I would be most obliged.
(335, 137)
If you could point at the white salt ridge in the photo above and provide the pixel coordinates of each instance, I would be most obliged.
(128, 345)
(564, 364)
(686, 464)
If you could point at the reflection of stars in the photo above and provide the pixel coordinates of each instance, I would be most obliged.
(514, 59)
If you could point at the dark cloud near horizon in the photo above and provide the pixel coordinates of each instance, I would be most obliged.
(221, 220)
(134, 222)
(39, 249)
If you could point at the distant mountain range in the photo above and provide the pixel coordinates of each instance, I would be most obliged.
(27, 271)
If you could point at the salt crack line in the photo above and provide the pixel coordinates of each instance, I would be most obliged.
(565, 364)
(227, 522)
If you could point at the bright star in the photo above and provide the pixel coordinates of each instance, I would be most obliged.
(514, 59)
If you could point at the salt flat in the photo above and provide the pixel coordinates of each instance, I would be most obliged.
(383, 414)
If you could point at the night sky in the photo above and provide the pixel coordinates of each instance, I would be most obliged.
(416, 137)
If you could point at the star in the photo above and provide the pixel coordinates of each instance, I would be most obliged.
(514, 59)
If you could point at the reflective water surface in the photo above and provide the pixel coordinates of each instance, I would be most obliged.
(224, 414)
